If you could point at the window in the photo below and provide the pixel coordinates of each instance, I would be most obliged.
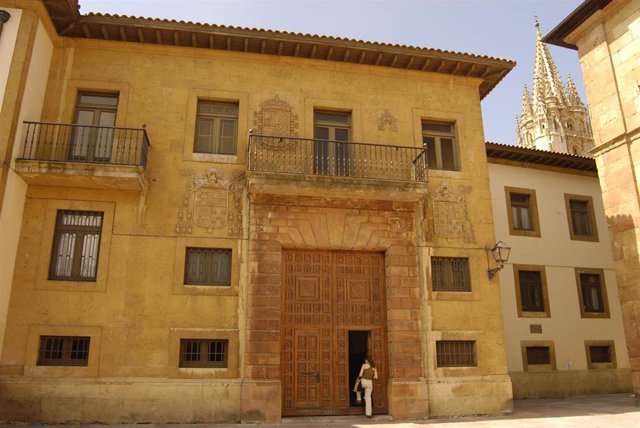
(203, 353)
(216, 128)
(600, 354)
(450, 274)
(592, 293)
(207, 266)
(92, 138)
(582, 226)
(331, 151)
(442, 149)
(531, 291)
(76, 246)
(63, 351)
(522, 211)
(538, 356)
(456, 353)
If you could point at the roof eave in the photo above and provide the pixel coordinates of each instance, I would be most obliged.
(572, 21)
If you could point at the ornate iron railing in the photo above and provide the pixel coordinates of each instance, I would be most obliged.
(335, 158)
(59, 142)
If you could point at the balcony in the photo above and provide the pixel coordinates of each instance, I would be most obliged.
(284, 165)
(95, 157)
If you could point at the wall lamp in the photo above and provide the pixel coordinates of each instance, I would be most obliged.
(500, 253)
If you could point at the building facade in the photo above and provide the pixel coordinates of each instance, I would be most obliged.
(217, 224)
(553, 117)
(607, 37)
(562, 316)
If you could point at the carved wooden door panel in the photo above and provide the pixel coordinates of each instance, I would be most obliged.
(325, 295)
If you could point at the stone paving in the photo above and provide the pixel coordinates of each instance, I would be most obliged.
(606, 411)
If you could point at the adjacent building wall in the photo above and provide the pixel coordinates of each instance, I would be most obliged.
(559, 256)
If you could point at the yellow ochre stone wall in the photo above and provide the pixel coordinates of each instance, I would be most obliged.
(138, 308)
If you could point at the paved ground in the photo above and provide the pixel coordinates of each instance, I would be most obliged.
(607, 411)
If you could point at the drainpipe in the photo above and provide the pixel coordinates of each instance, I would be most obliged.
(4, 17)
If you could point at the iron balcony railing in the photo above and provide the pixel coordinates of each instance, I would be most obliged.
(59, 142)
(335, 158)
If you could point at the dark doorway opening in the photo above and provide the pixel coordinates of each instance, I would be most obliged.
(358, 347)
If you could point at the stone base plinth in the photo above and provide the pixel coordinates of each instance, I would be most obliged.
(408, 399)
(262, 401)
(558, 384)
(470, 396)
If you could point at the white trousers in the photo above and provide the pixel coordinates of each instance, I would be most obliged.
(367, 385)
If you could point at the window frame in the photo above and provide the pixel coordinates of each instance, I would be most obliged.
(603, 293)
(449, 275)
(588, 344)
(66, 351)
(216, 137)
(189, 282)
(438, 136)
(203, 363)
(533, 212)
(439, 356)
(526, 366)
(80, 232)
(327, 150)
(522, 313)
(591, 218)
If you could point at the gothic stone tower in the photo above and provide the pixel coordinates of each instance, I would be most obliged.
(553, 117)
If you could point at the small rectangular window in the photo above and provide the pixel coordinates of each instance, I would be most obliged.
(216, 128)
(600, 354)
(522, 212)
(63, 351)
(538, 355)
(582, 225)
(207, 266)
(592, 293)
(456, 353)
(450, 274)
(76, 246)
(204, 353)
(442, 148)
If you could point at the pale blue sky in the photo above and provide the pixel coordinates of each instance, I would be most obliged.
(500, 28)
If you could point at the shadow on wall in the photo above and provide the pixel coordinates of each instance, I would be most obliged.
(624, 245)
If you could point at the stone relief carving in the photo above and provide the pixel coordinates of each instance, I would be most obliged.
(386, 119)
(446, 215)
(276, 118)
(211, 201)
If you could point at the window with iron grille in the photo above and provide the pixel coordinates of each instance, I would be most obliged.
(63, 351)
(450, 274)
(538, 355)
(442, 149)
(456, 353)
(531, 294)
(592, 299)
(76, 246)
(582, 224)
(600, 354)
(204, 353)
(216, 128)
(207, 266)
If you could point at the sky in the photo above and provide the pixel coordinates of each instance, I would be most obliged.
(498, 28)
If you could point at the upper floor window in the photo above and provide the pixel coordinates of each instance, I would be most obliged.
(592, 293)
(92, 137)
(522, 212)
(63, 351)
(531, 291)
(450, 274)
(331, 134)
(216, 128)
(442, 150)
(204, 353)
(207, 266)
(582, 225)
(76, 246)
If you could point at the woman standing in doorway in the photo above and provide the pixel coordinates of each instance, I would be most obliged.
(367, 374)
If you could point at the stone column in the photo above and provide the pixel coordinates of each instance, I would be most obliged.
(4, 17)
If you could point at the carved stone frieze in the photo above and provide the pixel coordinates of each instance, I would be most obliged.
(387, 120)
(211, 201)
(446, 215)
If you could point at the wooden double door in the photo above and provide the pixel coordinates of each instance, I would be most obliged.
(333, 316)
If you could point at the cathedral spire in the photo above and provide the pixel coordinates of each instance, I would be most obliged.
(574, 97)
(547, 82)
(527, 108)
